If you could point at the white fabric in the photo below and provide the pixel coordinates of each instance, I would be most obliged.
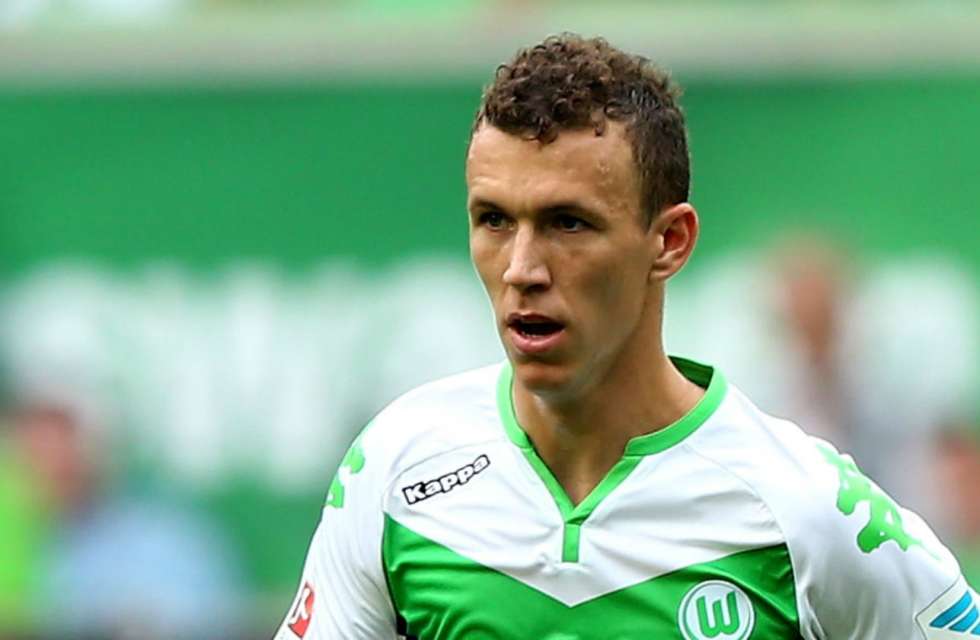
(743, 480)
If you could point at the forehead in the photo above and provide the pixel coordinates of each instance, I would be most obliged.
(578, 164)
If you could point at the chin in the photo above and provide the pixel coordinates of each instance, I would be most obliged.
(541, 377)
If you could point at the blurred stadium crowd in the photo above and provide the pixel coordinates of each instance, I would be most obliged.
(167, 431)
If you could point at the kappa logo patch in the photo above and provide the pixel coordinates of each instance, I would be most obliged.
(444, 484)
(885, 520)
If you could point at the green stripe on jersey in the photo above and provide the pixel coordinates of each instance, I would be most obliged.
(445, 596)
(574, 515)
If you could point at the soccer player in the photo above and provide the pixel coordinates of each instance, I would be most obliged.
(591, 487)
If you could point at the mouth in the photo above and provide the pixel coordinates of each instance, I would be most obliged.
(534, 333)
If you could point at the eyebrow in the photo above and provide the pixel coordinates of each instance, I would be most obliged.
(550, 210)
(481, 203)
(568, 207)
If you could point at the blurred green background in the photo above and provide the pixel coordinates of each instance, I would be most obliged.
(293, 174)
(151, 157)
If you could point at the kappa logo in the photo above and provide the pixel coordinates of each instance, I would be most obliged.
(353, 463)
(446, 483)
(885, 517)
(716, 610)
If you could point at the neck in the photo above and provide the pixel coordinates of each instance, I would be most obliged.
(583, 435)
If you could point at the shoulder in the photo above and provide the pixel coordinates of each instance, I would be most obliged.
(433, 419)
(860, 561)
(788, 469)
(813, 490)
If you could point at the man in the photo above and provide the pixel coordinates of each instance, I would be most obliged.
(591, 487)
(107, 565)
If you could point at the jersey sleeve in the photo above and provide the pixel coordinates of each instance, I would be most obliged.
(867, 568)
(343, 593)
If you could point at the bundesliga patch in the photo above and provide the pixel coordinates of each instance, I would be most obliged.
(954, 614)
(302, 613)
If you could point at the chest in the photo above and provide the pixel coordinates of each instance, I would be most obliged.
(488, 551)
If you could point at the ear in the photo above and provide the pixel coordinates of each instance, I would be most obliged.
(675, 232)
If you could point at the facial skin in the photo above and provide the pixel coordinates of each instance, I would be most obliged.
(53, 446)
(557, 230)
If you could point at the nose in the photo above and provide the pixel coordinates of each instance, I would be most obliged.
(526, 267)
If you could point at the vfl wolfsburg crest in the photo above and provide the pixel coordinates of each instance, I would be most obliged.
(716, 610)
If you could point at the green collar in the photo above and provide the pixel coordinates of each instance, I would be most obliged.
(574, 515)
(702, 375)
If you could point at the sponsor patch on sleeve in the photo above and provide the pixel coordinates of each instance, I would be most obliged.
(954, 614)
(302, 612)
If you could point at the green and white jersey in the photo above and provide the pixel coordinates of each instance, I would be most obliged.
(444, 524)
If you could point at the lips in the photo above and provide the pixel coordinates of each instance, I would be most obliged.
(533, 324)
(534, 333)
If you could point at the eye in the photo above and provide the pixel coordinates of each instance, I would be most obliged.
(567, 222)
(492, 219)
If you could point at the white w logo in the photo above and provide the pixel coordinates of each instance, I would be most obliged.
(716, 610)
(720, 621)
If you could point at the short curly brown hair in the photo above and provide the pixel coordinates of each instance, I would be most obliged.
(570, 82)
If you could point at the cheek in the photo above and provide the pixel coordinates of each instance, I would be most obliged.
(485, 262)
(616, 289)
